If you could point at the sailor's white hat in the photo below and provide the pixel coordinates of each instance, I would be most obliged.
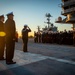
(11, 13)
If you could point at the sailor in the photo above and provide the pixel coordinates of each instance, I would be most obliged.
(2, 37)
(10, 30)
(25, 32)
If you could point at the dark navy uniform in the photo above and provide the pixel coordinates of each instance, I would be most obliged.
(2, 39)
(10, 39)
(25, 31)
(35, 37)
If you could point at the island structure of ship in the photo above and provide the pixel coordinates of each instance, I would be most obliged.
(43, 35)
(50, 26)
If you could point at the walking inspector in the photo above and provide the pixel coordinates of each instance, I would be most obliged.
(2, 37)
(10, 30)
(25, 32)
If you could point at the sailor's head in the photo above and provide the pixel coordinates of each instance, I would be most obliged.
(10, 15)
(25, 26)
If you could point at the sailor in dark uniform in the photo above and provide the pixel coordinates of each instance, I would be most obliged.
(2, 37)
(25, 32)
(10, 30)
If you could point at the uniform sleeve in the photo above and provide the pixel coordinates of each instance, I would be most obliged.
(10, 28)
(1, 26)
(29, 30)
(14, 29)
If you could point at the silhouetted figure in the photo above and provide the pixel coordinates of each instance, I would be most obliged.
(2, 37)
(42, 39)
(35, 37)
(25, 32)
(10, 30)
(39, 37)
(16, 36)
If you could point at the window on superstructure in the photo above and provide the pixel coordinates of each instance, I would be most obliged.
(72, 5)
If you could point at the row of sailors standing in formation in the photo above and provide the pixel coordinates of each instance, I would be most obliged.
(54, 37)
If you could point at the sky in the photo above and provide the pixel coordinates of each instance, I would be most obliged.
(32, 13)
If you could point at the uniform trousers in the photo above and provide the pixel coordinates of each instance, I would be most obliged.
(10, 46)
(25, 42)
(2, 46)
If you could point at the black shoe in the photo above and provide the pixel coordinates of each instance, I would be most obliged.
(9, 63)
(25, 51)
(2, 58)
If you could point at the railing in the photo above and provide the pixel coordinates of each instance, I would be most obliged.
(68, 10)
(56, 19)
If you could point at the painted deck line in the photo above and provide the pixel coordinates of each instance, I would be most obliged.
(22, 58)
(62, 60)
